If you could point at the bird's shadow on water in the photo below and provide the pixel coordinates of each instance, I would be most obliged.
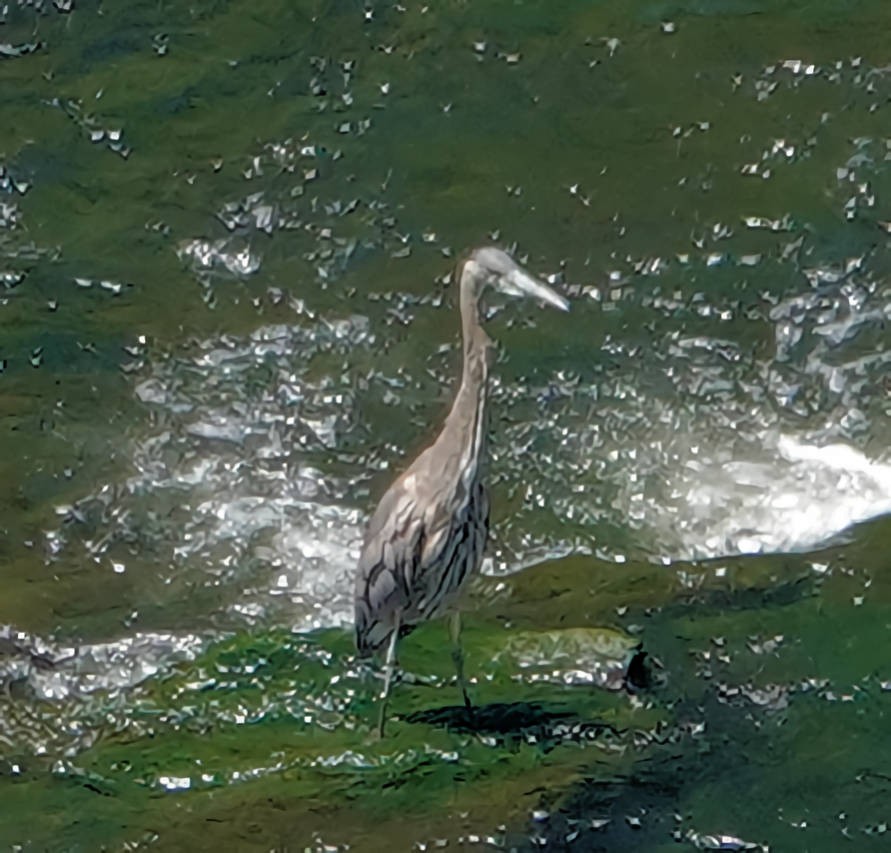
(533, 720)
(513, 720)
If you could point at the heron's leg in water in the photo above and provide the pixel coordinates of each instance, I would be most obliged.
(458, 655)
(389, 669)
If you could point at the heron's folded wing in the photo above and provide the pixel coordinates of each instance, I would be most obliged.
(387, 568)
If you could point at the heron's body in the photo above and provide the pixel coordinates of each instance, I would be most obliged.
(419, 551)
(426, 538)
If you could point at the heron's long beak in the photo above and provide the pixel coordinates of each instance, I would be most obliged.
(520, 283)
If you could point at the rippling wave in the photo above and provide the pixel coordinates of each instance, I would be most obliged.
(704, 448)
(256, 482)
(227, 485)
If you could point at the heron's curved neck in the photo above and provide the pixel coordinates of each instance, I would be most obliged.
(468, 415)
(477, 344)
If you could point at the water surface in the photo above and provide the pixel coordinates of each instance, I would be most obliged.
(227, 235)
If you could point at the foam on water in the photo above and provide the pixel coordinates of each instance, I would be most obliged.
(810, 463)
(55, 672)
(697, 447)
(229, 485)
(786, 496)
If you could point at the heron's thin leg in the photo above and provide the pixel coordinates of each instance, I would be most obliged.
(458, 655)
(389, 668)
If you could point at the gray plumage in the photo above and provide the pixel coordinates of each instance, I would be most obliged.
(426, 538)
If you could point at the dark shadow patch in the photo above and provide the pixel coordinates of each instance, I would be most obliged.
(749, 599)
(639, 674)
(605, 815)
(514, 720)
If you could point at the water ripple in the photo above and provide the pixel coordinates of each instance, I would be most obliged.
(700, 446)
(236, 482)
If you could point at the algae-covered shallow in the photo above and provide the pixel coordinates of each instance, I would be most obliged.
(226, 235)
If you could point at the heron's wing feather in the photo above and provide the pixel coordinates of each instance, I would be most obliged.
(389, 563)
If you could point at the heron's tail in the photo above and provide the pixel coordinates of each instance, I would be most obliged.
(365, 631)
(373, 634)
(363, 648)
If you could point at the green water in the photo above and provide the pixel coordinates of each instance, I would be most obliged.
(225, 321)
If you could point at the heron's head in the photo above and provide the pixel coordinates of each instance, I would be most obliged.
(495, 268)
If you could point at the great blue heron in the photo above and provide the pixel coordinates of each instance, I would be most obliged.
(426, 537)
